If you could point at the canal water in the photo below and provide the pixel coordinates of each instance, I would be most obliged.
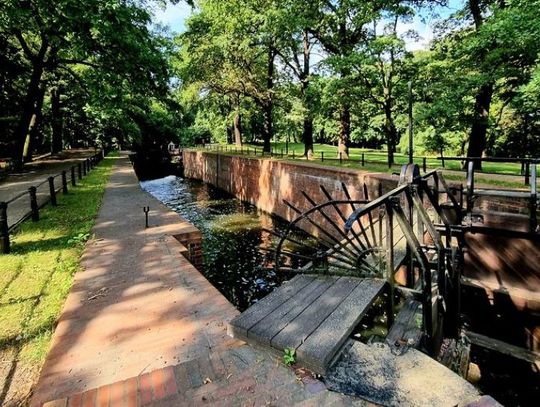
(237, 251)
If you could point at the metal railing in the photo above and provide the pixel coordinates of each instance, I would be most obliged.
(366, 158)
(414, 228)
(50, 187)
(413, 213)
(525, 164)
(363, 159)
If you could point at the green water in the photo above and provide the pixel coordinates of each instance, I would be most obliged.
(237, 252)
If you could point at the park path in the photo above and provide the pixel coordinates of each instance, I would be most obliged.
(141, 326)
(35, 173)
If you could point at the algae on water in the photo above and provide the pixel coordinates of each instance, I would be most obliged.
(236, 222)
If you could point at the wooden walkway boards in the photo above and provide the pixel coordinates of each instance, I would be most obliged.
(312, 314)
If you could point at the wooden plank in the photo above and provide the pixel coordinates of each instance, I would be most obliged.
(264, 330)
(295, 333)
(405, 332)
(320, 348)
(503, 347)
(239, 326)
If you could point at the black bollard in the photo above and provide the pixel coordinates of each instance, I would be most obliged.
(34, 208)
(4, 231)
(52, 191)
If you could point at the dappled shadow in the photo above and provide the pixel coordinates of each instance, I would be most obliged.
(138, 305)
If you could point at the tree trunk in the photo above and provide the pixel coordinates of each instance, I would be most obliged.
(344, 130)
(32, 137)
(268, 130)
(237, 123)
(29, 104)
(478, 135)
(268, 105)
(307, 136)
(307, 133)
(390, 133)
(56, 121)
(229, 134)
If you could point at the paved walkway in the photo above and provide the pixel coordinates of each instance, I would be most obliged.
(142, 326)
(35, 173)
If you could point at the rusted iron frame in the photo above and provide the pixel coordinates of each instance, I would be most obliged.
(362, 228)
(366, 196)
(435, 235)
(343, 218)
(331, 221)
(376, 203)
(423, 263)
(331, 247)
(305, 216)
(390, 264)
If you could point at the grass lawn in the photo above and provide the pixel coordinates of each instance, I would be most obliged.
(36, 277)
(375, 161)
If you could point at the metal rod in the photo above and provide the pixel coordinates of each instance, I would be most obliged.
(333, 224)
(146, 210)
(333, 240)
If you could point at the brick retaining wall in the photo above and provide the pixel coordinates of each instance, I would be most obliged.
(265, 183)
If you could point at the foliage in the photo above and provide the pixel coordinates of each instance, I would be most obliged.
(99, 72)
(289, 356)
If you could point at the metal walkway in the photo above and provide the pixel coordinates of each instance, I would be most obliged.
(312, 314)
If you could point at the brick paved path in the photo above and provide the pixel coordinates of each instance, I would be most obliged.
(142, 326)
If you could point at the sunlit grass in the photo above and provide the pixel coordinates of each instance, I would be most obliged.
(37, 276)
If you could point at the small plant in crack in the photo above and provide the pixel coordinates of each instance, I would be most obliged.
(289, 356)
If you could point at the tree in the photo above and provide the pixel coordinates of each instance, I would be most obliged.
(55, 38)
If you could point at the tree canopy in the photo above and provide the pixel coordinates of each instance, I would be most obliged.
(99, 72)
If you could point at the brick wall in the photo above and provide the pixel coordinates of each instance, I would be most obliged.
(265, 183)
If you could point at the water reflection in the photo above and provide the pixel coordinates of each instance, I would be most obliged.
(237, 252)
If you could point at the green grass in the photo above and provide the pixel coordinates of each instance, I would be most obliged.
(376, 161)
(36, 277)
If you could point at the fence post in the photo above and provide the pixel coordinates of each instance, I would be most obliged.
(293, 155)
(340, 158)
(4, 231)
(424, 164)
(52, 191)
(79, 170)
(363, 160)
(527, 172)
(64, 183)
(34, 208)
(322, 156)
(73, 181)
